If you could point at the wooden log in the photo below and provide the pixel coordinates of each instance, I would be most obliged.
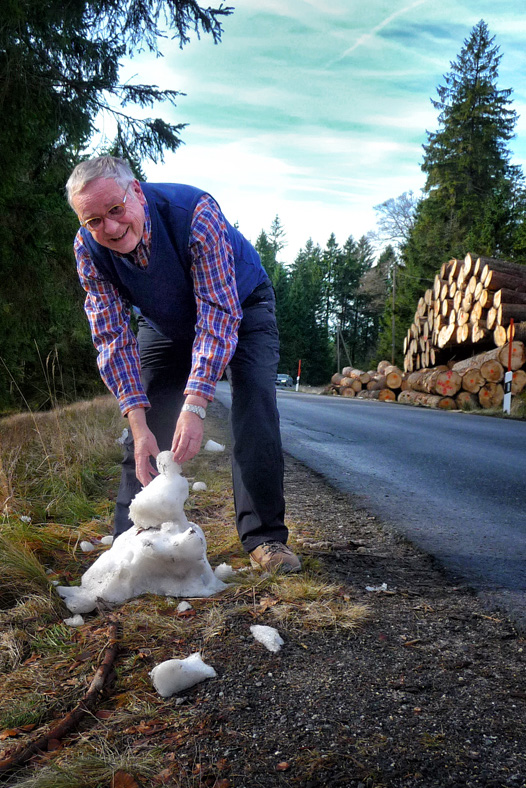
(346, 383)
(381, 366)
(472, 380)
(447, 306)
(467, 302)
(486, 298)
(376, 383)
(444, 292)
(444, 336)
(502, 265)
(466, 401)
(507, 311)
(453, 287)
(336, 379)
(472, 284)
(346, 372)
(492, 371)
(437, 286)
(519, 332)
(479, 333)
(463, 333)
(347, 392)
(491, 395)
(498, 280)
(462, 317)
(505, 296)
(500, 336)
(411, 397)
(518, 358)
(518, 382)
(448, 383)
(386, 395)
(469, 261)
(478, 290)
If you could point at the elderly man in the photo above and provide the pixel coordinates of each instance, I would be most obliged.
(203, 302)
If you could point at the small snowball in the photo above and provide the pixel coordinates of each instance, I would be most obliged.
(183, 606)
(213, 446)
(87, 547)
(383, 587)
(199, 486)
(106, 540)
(176, 675)
(123, 437)
(74, 621)
(25, 518)
(224, 572)
(268, 636)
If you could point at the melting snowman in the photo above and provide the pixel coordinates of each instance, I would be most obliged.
(162, 553)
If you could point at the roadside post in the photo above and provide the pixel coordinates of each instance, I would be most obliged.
(508, 377)
(299, 375)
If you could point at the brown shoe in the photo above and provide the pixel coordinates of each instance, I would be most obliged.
(274, 557)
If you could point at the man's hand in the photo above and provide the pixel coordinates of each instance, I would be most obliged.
(189, 430)
(145, 446)
(188, 436)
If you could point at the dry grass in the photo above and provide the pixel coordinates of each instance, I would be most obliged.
(55, 472)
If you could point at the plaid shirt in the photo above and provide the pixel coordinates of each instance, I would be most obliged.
(218, 310)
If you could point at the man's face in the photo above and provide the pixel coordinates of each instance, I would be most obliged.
(121, 234)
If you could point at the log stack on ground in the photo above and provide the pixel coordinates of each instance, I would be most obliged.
(469, 307)
(382, 384)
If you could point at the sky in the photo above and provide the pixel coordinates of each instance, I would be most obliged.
(316, 110)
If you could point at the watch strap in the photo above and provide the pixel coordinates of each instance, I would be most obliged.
(198, 409)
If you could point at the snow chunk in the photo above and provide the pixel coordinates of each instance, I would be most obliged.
(176, 675)
(183, 606)
(269, 636)
(224, 572)
(74, 621)
(383, 587)
(87, 547)
(213, 446)
(163, 553)
(106, 540)
(199, 486)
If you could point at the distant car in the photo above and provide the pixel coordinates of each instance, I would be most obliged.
(284, 380)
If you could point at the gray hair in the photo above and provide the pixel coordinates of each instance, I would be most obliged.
(100, 167)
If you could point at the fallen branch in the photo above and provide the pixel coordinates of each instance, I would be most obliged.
(73, 718)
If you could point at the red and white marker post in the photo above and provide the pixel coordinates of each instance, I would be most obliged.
(299, 375)
(508, 377)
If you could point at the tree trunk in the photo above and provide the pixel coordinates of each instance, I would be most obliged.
(491, 395)
(472, 380)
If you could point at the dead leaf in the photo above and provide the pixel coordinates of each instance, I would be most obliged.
(283, 766)
(8, 733)
(224, 783)
(123, 780)
(104, 714)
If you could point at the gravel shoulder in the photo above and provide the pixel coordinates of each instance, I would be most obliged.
(429, 691)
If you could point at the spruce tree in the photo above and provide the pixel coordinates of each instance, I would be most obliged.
(473, 197)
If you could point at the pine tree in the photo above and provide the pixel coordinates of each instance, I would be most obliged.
(473, 200)
(59, 69)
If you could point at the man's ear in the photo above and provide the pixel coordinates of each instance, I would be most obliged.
(136, 189)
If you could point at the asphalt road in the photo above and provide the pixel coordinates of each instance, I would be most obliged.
(453, 483)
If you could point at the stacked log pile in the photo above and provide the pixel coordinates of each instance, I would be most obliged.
(468, 308)
(384, 383)
(477, 382)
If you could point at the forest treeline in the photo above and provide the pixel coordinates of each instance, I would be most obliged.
(59, 70)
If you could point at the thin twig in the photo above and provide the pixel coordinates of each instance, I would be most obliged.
(68, 723)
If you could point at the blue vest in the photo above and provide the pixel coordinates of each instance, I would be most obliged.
(163, 292)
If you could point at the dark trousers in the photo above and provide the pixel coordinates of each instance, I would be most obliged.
(257, 457)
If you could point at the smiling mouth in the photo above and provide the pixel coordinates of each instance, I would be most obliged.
(115, 240)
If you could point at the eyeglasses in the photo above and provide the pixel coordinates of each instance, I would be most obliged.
(116, 211)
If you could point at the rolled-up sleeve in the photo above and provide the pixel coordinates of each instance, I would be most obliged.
(115, 342)
(218, 310)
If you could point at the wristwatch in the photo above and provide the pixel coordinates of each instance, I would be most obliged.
(201, 412)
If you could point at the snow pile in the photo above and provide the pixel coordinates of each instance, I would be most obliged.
(163, 553)
(213, 446)
(269, 636)
(176, 675)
